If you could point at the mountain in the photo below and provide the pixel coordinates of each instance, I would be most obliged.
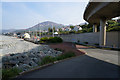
(45, 25)
(83, 23)
(41, 26)
(7, 30)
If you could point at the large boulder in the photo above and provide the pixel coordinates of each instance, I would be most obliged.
(32, 64)
(14, 61)
(35, 60)
(5, 59)
(58, 52)
(31, 55)
(24, 67)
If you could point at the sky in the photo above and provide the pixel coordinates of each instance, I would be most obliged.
(22, 15)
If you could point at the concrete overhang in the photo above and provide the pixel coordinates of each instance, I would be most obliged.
(101, 10)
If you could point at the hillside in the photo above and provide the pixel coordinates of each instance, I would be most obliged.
(45, 26)
(7, 30)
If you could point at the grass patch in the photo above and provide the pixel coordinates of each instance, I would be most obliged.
(110, 48)
(65, 55)
(49, 59)
(86, 42)
(96, 44)
(51, 40)
(8, 73)
(44, 39)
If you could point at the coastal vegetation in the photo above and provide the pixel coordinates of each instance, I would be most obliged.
(51, 40)
(50, 59)
(12, 72)
(7, 73)
(86, 28)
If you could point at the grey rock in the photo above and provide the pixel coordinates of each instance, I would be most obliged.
(59, 52)
(13, 61)
(42, 55)
(32, 64)
(17, 65)
(38, 55)
(24, 67)
(39, 60)
(31, 55)
(5, 59)
(45, 52)
(26, 61)
(35, 60)
(24, 55)
(49, 52)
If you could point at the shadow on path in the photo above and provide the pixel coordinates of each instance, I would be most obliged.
(80, 67)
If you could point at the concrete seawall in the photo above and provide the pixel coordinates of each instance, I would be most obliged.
(112, 40)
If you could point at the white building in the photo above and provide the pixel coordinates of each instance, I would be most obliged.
(76, 28)
(67, 29)
(57, 30)
(56, 33)
(26, 36)
(63, 29)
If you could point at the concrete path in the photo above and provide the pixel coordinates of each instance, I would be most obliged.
(110, 56)
(96, 64)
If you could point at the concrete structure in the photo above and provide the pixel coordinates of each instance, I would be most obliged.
(94, 28)
(98, 13)
(112, 38)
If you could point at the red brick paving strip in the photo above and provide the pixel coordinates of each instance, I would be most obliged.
(81, 47)
(67, 47)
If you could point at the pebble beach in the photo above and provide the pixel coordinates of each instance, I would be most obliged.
(12, 45)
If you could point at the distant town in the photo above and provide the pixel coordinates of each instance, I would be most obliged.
(51, 28)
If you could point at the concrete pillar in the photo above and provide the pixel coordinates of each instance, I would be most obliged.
(94, 28)
(102, 32)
